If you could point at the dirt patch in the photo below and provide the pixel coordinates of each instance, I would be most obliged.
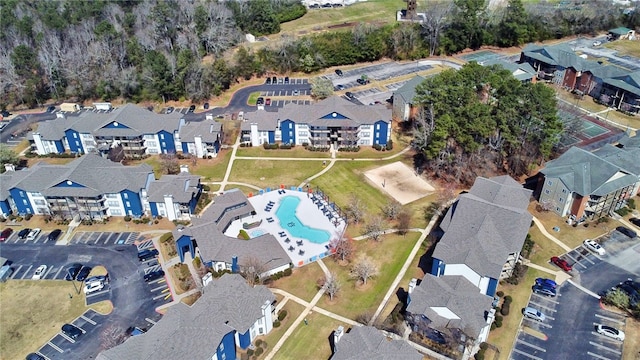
(400, 182)
(631, 348)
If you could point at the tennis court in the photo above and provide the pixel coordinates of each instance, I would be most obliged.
(591, 130)
(481, 56)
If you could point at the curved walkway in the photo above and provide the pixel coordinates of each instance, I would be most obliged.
(549, 236)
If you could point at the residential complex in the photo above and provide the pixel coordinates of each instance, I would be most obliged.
(589, 185)
(367, 342)
(403, 100)
(92, 187)
(484, 231)
(228, 316)
(136, 130)
(333, 122)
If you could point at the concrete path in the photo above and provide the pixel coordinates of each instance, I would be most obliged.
(559, 276)
(549, 236)
(223, 184)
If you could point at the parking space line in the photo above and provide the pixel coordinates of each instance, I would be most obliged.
(26, 272)
(586, 256)
(575, 261)
(68, 338)
(597, 356)
(158, 288)
(168, 296)
(159, 296)
(37, 238)
(605, 348)
(56, 276)
(610, 319)
(544, 297)
(531, 345)
(527, 354)
(543, 306)
(543, 324)
(151, 321)
(88, 320)
(46, 358)
(55, 347)
(97, 293)
(15, 272)
(49, 270)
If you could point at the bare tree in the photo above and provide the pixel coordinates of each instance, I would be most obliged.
(374, 228)
(112, 336)
(252, 269)
(169, 163)
(364, 269)
(355, 209)
(436, 15)
(404, 220)
(330, 284)
(342, 248)
(391, 209)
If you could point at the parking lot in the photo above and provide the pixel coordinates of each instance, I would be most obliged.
(41, 239)
(104, 238)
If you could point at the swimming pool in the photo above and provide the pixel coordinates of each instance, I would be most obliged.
(286, 214)
(257, 232)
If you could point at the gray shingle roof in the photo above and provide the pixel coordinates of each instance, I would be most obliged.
(183, 187)
(194, 332)
(625, 158)
(408, 91)
(485, 225)
(96, 174)
(586, 173)
(209, 130)
(214, 245)
(633, 141)
(521, 72)
(367, 342)
(319, 114)
(458, 295)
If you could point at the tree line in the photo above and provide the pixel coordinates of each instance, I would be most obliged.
(164, 50)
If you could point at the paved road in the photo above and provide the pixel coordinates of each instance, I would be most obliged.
(20, 124)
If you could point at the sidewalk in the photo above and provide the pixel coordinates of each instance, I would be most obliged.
(549, 236)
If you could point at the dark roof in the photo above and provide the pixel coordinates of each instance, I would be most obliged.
(333, 111)
(586, 173)
(450, 302)
(95, 174)
(630, 141)
(208, 130)
(620, 31)
(183, 187)
(194, 332)
(408, 91)
(214, 245)
(629, 82)
(367, 342)
(521, 72)
(485, 225)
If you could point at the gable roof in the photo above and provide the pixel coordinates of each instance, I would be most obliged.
(560, 54)
(194, 332)
(620, 31)
(521, 72)
(408, 91)
(319, 114)
(485, 225)
(208, 130)
(450, 302)
(183, 187)
(629, 82)
(586, 173)
(630, 141)
(89, 176)
(367, 342)
(215, 245)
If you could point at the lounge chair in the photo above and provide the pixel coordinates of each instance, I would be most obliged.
(301, 252)
(299, 242)
(287, 240)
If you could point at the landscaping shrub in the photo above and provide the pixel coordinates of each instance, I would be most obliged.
(499, 318)
(493, 326)
(159, 217)
(623, 211)
(287, 272)
(390, 145)
(504, 310)
(479, 355)
(259, 351)
(243, 235)
(206, 187)
(286, 146)
(484, 346)
(631, 203)
(3, 219)
(282, 314)
(166, 237)
(268, 146)
(508, 299)
(127, 218)
(258, 342)
(250, 352)
(28, 217)
(276, 324)
(500, 294)
(19, 218)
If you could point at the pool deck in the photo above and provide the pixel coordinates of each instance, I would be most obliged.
(309, 214)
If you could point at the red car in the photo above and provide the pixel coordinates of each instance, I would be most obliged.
(562, 264)
(5, 234)
(267, 102)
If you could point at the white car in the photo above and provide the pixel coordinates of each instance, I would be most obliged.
(39, 272)
(33, 234)
(93, 287)
(594, 246)
(610, 332)
(597, 43)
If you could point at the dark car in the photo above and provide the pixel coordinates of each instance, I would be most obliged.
(539, 289)
(634, 295)
(73, 271)
(5, 234)
(340, 87)
(260, 101)
(268, 81)
(71, 331)
(561, 263)
(34, 356)
(625, 230)
(633, 284)
(147, 254)
(635, 221)
(339, 72)
(169, 110)
(192, 108)
(153, 275)
(286, 79)
(362, 81)
(51, 109)
(83, 273)
(54, 235)
(22, 234)
(274, 80)
(5, 113)
(436, 336)
(205, 106)
(546, 283)
(349, 95)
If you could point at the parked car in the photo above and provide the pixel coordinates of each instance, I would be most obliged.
(72, 271)
(274, 80)
(39, 272)
(534, 314)
(339, 72)
(71, 331)
(296, 92)
(625, 230)
(5, 234)
(363, 81)
(340, 87)
(5, 113)
(268, 81)
(51, 109)
(546, 283)
(103, 278)
(205, 106)
(33, 234)
(635, 221)
(147, 254)
(267, 101)
(169, 110)
(83, 273)
(153, 275)
(349, 95)
(561, 263)
(634, 295)
(597, 43)
(286, 79)
(594, 246)
(192, 108)
(610, 332)
(539, 289)
(633, 284)
(23, 233)
(91, 287)
(53, 236)
(34, 356)
(260, 101)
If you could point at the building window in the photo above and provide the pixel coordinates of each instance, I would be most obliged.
(116, 212)
(39, 202)
(21, 193)
(128, 204)
(561, 200)
(125, 195)
(224, 356)
(377, 126)
(564, 191)
(24, 201)
(75, 136)
(222, 347)
(161, 136)
(558, 209)
(112, 203)
(547, 192)
(549, 182)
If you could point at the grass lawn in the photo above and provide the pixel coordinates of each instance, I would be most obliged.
(367, 152)
(571, 236)
(268, 173)
(212, 169)
(297, 152)
(33, 312)
(302, 283)
(389, 255)
(253, 98)
(293, 311)
(504, 337)
(544, 249)
(310, 341)
(624, 47)
(587, 103)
